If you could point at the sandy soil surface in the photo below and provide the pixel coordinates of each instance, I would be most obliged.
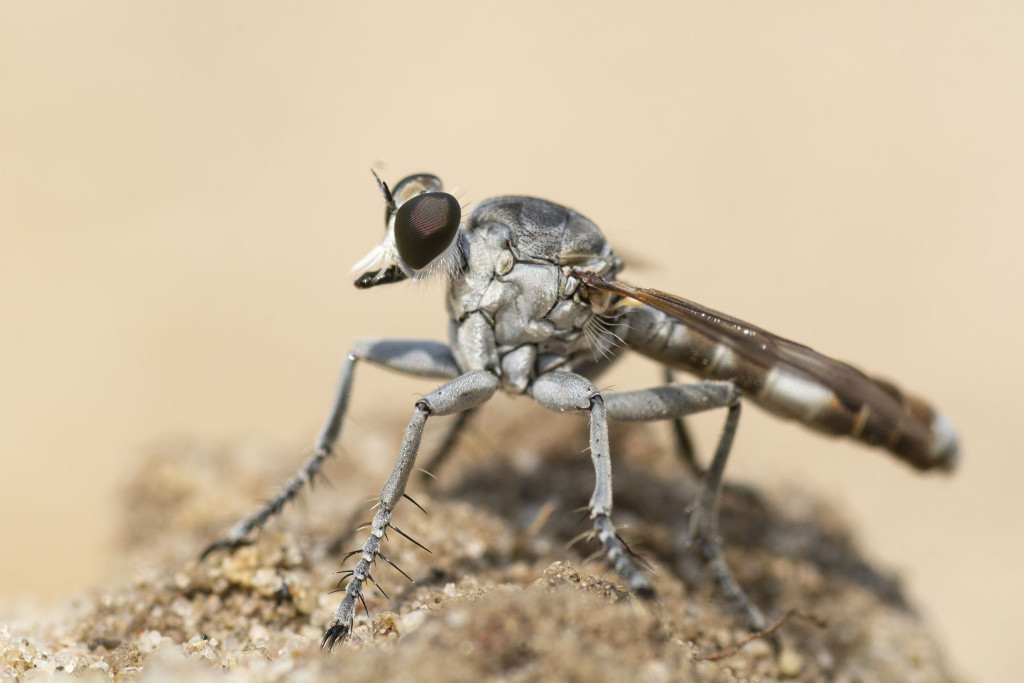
(500, 597)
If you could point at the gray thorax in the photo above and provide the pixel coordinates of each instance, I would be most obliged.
(515, 309)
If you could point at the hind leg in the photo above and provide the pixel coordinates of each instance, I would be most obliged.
(671, 402)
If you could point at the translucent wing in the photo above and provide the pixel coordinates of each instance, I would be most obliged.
(756, 344)
(900, 422)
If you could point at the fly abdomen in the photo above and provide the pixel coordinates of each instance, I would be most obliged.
(795, 382)
(870, 410)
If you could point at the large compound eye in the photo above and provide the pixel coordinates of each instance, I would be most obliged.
(425, 226)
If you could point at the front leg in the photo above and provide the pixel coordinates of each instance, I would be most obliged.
(420, 358)
(463, 393)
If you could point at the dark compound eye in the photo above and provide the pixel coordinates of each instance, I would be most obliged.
(425, 226)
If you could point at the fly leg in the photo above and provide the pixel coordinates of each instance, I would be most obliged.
(421, 358)
(704, 525)
(673, 402)
(688, 454)
(462, 393)
(440, 456)
(589, 370)
(564, 392)
(684, 444)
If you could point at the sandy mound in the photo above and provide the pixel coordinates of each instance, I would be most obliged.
(500, 597)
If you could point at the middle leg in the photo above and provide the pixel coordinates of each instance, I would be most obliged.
(568, 392)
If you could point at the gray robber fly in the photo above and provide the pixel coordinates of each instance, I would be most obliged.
(535, 309)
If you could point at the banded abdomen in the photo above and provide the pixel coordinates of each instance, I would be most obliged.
(789, 379)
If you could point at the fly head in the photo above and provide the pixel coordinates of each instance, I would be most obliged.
(422, 225)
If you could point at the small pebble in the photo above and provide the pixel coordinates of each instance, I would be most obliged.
(790, 663)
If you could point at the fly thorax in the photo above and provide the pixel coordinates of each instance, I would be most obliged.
(531, 315)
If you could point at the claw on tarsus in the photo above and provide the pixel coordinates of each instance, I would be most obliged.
(334, 634)
(225, 544)
(646, 593)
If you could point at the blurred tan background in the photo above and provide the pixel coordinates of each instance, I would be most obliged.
(184, 186)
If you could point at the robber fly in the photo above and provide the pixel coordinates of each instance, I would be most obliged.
(535, 309)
